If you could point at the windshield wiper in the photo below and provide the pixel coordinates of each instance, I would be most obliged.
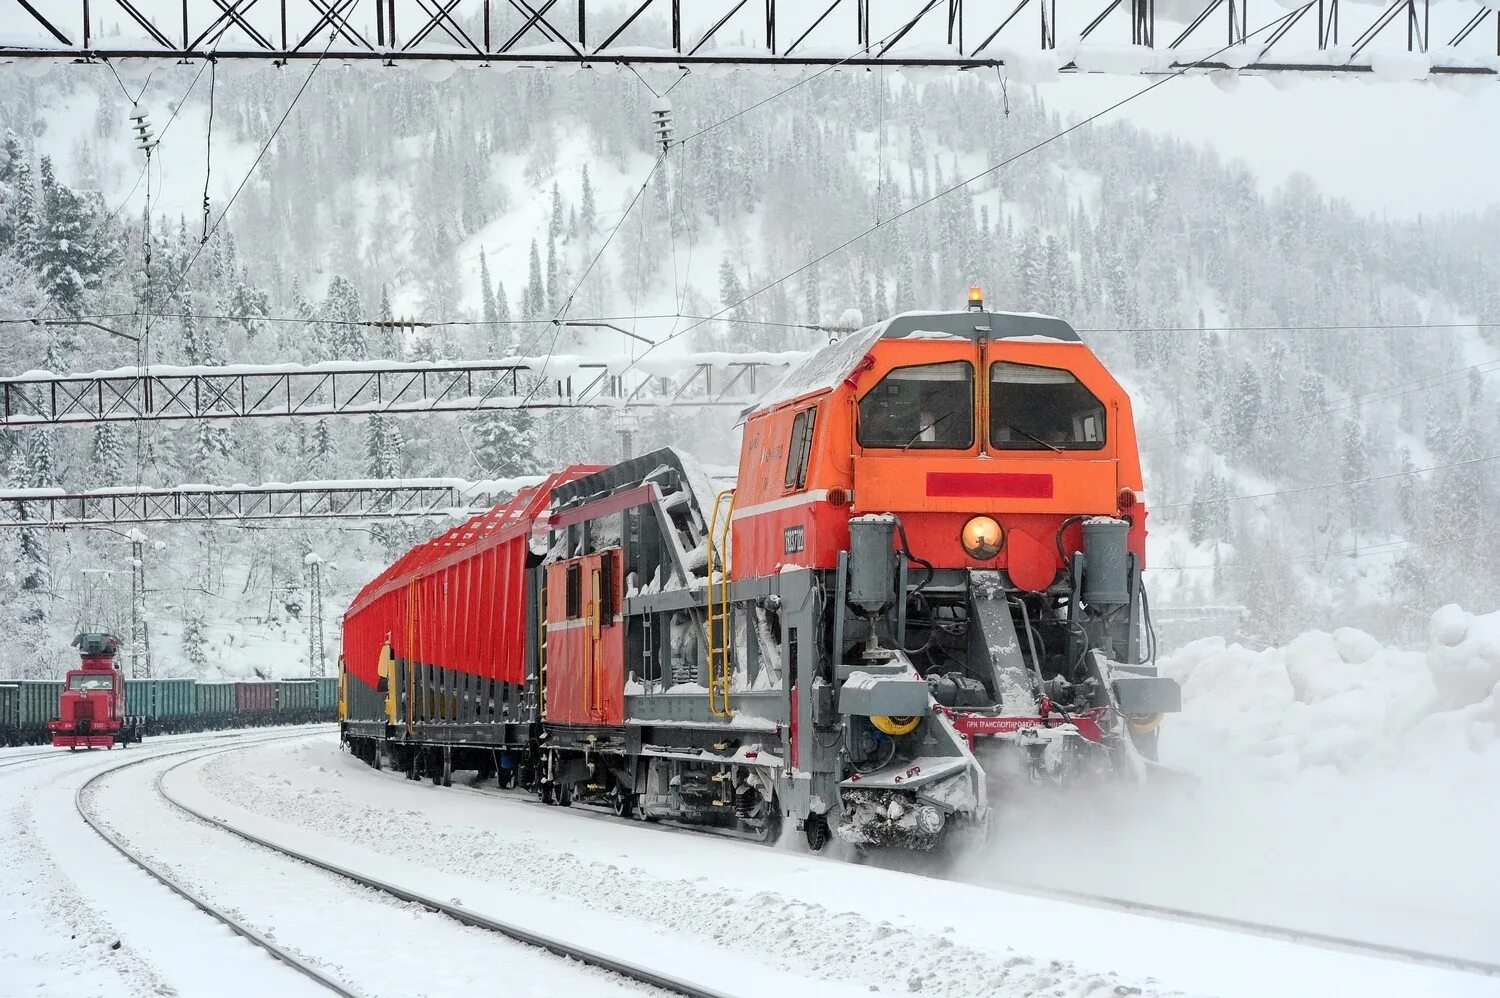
(929, 426)
(1029, 436)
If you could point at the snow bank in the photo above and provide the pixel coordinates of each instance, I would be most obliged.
(1343, 700)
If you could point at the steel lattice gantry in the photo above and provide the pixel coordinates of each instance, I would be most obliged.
(362, 388)
(339, 500)
(1322, 36)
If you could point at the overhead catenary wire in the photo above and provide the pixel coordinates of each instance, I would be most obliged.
(1369, 551)
(136, 100)
(367, 323)
(1385, 394)
(291, 106)
(716, 124)
(988, 171)
(208, 150)
(1350, 483)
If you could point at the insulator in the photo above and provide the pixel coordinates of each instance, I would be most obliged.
(142, 126)
(661, 121)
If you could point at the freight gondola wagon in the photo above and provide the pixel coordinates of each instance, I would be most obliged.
(296, 699)
(10, 720)
(38, 705)
(328, 695)
(214, 704)
(255, 703)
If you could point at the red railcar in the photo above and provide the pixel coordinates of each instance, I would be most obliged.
(91, 709)
(461, 600)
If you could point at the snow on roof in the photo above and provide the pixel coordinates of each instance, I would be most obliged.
(822, 370)
(553, 365)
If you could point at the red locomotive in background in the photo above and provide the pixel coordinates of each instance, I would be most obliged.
(91, 710)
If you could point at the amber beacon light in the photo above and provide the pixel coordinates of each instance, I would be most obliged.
(976, 299)
(982, 538)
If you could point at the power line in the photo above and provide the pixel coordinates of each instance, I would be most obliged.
(1372, 551)
(1298, 12)
(1329, 485)
(367, 323)
(136, 100)
(808, 79)
(182, 277)
(1287, 329)
(1358, 401)
(703, 131)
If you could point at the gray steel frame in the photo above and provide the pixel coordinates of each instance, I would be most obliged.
(325, 390)
(486, 32)
(189, 505)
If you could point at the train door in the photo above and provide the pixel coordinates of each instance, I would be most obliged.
(585, 681)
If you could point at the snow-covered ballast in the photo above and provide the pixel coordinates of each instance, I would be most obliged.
(925, 584)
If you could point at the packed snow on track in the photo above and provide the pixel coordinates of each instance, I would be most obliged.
(742, 913)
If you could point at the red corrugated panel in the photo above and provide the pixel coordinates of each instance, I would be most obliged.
(470, 593)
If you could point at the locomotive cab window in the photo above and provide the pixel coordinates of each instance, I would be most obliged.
(799, 449)
(928, 406)
(1042, 408)
(573, 592)
(101, 681)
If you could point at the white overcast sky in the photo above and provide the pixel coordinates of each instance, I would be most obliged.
(1393, 148)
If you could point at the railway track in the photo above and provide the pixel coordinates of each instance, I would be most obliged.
(276, 951)
(630, 970)
(11, 761)
(1246, 926)
(1301, 937)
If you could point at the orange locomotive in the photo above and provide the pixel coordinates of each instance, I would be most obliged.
(925, 588)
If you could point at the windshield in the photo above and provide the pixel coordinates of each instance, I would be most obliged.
(91, 681)
(926, 406)
(1042, 408)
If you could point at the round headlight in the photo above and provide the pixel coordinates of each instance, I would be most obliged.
(982, 538)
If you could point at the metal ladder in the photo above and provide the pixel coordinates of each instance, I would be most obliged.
(719, 624)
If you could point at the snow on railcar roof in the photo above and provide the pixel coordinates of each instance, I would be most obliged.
(825, 368)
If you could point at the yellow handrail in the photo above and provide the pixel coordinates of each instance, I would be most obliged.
(719, 637)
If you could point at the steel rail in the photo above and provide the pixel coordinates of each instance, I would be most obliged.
(52, 752)
(634, 971)
(1302, 937)
(176, 887)
(8, 763)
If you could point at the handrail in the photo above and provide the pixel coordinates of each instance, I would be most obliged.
(719, 637)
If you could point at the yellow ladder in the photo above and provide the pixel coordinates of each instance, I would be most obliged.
(719, 625)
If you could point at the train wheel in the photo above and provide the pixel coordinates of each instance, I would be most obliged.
(815, 827)
(549, 794)
(622, 802)
(565, 795)
(505, 778)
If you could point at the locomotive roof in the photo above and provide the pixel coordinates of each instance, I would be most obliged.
(972, 325)
(827, 367)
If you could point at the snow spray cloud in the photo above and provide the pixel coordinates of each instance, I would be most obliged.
(1341, 787)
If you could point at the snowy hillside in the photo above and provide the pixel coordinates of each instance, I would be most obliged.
(492, 201)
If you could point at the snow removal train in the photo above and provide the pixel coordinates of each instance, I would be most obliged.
(923, 594)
